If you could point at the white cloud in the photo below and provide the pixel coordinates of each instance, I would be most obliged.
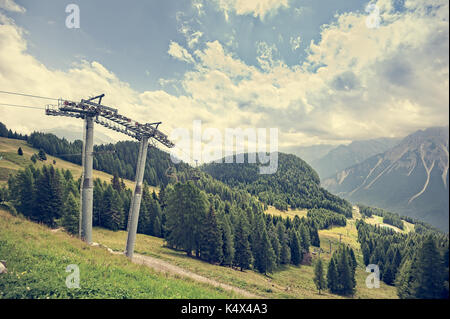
(180, 53)
(356, 83)
(256, 8)
(10, 5)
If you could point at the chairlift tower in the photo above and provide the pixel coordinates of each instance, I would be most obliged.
(92, 112)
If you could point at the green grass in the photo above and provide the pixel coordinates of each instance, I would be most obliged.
(289, 282)
(37, 258)
(12, 162)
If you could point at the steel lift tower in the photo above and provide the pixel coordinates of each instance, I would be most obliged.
(92, 112)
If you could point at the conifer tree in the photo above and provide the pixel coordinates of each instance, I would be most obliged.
(242, 254)
(185, 211)
(430, 268)
(332, 276)
(319, 276)
(228, 243)
(211, 238)
(285, 252)
(265, 259)
(296, 254)
(70, 218)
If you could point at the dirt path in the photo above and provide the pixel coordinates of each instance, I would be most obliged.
(163, 266)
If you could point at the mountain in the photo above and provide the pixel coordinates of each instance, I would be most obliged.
(345, 156)
(410, 179)
(294, 183)
(310, 153)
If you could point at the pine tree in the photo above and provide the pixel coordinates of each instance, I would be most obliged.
(113, 214)
(211, 241)
(319, 276)
(332, 276)
(185, 211)
(345, 275)
(285, 252)
(49, 197)
(70, 218)
(265, 259)
(296, 255)
(430, 268)
(228, 243)
(242, 254)
(41, 155)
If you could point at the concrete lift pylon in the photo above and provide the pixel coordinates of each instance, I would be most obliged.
(92, 112)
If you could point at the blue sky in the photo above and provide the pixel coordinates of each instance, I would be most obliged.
(132, 39)
(320, 71)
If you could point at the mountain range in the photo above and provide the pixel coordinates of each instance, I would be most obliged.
(343, 156)
(410, 178)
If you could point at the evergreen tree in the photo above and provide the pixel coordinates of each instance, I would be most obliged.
(319, 276)
(243, 254)
(49, 197)
(296, 254)
(332, 276)
(430, 268)
(228, 243)
(185, 211)
(211, 241)
(265, 259)
(41, 155)
(113, 214)
(346, 282)
(70, 218)
(285, 252)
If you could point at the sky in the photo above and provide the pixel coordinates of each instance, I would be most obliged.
(322, 72)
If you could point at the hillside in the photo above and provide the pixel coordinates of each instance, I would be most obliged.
(37, 258)
(410, 179)
(294, 185)
(24, 244)
(345, 156)
(11, 162)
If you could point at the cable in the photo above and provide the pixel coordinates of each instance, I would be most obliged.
(29, 95)
(26, 106)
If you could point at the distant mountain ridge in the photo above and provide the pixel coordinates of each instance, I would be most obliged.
(344, 156)
(411, 178)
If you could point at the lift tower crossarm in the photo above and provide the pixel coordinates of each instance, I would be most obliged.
(108, 117)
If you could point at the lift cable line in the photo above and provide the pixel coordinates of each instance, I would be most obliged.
(94, 112)
(25, 106)
(29, 95)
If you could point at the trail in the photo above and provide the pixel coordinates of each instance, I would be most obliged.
(163, 266)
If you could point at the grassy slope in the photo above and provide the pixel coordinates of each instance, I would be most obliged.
(290, 282)
(12, 162)
(37, 258)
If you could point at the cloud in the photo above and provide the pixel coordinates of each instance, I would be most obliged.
(356, 82)
(180, 53)
(256, 8)
(10, 5)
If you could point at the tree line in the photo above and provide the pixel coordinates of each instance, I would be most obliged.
(417, 264)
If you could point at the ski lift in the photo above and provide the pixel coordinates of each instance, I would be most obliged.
(171, 173)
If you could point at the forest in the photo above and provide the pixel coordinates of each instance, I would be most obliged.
(295, 184)
(417, 264)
